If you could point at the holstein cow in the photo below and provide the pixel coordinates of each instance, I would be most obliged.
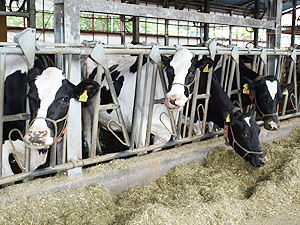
(49, 97)
(241, 129)
(123, 69)
(264, 92)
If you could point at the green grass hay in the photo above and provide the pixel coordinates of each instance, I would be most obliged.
(226, 190)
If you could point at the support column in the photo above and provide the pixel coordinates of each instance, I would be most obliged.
(293, 23)
(136, 26)
(72, 36)
(31, 9)
(274, 36)
(59, 21)
(3, 26)
(256, 16)
(166, 33)
(206, 25)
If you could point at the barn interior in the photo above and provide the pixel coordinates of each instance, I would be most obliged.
(65, 38)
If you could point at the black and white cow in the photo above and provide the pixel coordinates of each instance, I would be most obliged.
(49, 97)
(264, 92)
(123, 69)
(242, 130)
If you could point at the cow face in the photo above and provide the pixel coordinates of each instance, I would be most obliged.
(242, 134)
(181, 70)
(49, 99)
(266, 93)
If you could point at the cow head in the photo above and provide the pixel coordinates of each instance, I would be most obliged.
(181, 70)
(49, 98)
(241, 132)
(266, 92)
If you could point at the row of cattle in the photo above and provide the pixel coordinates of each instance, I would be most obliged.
(50, 93)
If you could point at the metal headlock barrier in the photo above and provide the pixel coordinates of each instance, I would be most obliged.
(182, 130)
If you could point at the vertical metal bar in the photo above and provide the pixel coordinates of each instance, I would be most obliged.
(116, 102)
(278, 67)
(96, 114)
(151, 104)
(295, 86)
(232, 70)
(288, 81)
(135, 108)
(143, 92)
(166, 33)
(208, 87)
(194, 102)
(227, 73)
(223, 71)
(69, 66)
(254, 63)
(238, 84)
(2, 75)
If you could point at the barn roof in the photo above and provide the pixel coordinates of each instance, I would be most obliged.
(238, 6)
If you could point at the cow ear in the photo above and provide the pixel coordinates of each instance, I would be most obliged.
(85, 90)
(287, 88)
(248, 84)
(33, 73)
(205, 64)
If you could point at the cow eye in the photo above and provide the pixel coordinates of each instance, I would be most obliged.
(247, 135)
(65, 99)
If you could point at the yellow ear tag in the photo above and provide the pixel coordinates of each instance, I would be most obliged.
(246, 89)
(83, 97)
(206, 69)
(285, 91)
(228, 118)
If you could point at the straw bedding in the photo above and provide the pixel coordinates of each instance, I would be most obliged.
(226, 190)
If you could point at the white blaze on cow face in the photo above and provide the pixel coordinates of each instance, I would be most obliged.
(47, 85)
(272, 88)
(247, 120)
(181, 63)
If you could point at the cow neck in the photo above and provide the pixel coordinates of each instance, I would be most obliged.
(219, 104)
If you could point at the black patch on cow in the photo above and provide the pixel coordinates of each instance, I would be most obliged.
(133, 68)
(59, 107)
(15, 88)
(115, 74)
(13, 164)
(34, 100)
(112, 68)
(105, 94)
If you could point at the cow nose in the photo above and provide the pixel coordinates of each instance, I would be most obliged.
(262, 161)
(173, 101)
(37, 137)
(274, 126)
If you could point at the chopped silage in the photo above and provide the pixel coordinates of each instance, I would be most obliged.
(226, 190)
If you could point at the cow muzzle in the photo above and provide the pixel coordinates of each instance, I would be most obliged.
(37, 137)
(172, 104)
(261, 161)
(271, 124)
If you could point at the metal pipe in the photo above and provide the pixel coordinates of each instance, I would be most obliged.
(96, 114)
(2, 76)
(136, 102)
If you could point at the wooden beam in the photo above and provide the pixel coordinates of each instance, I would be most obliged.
(163, 13)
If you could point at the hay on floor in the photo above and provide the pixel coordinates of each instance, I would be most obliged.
(226, 190)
